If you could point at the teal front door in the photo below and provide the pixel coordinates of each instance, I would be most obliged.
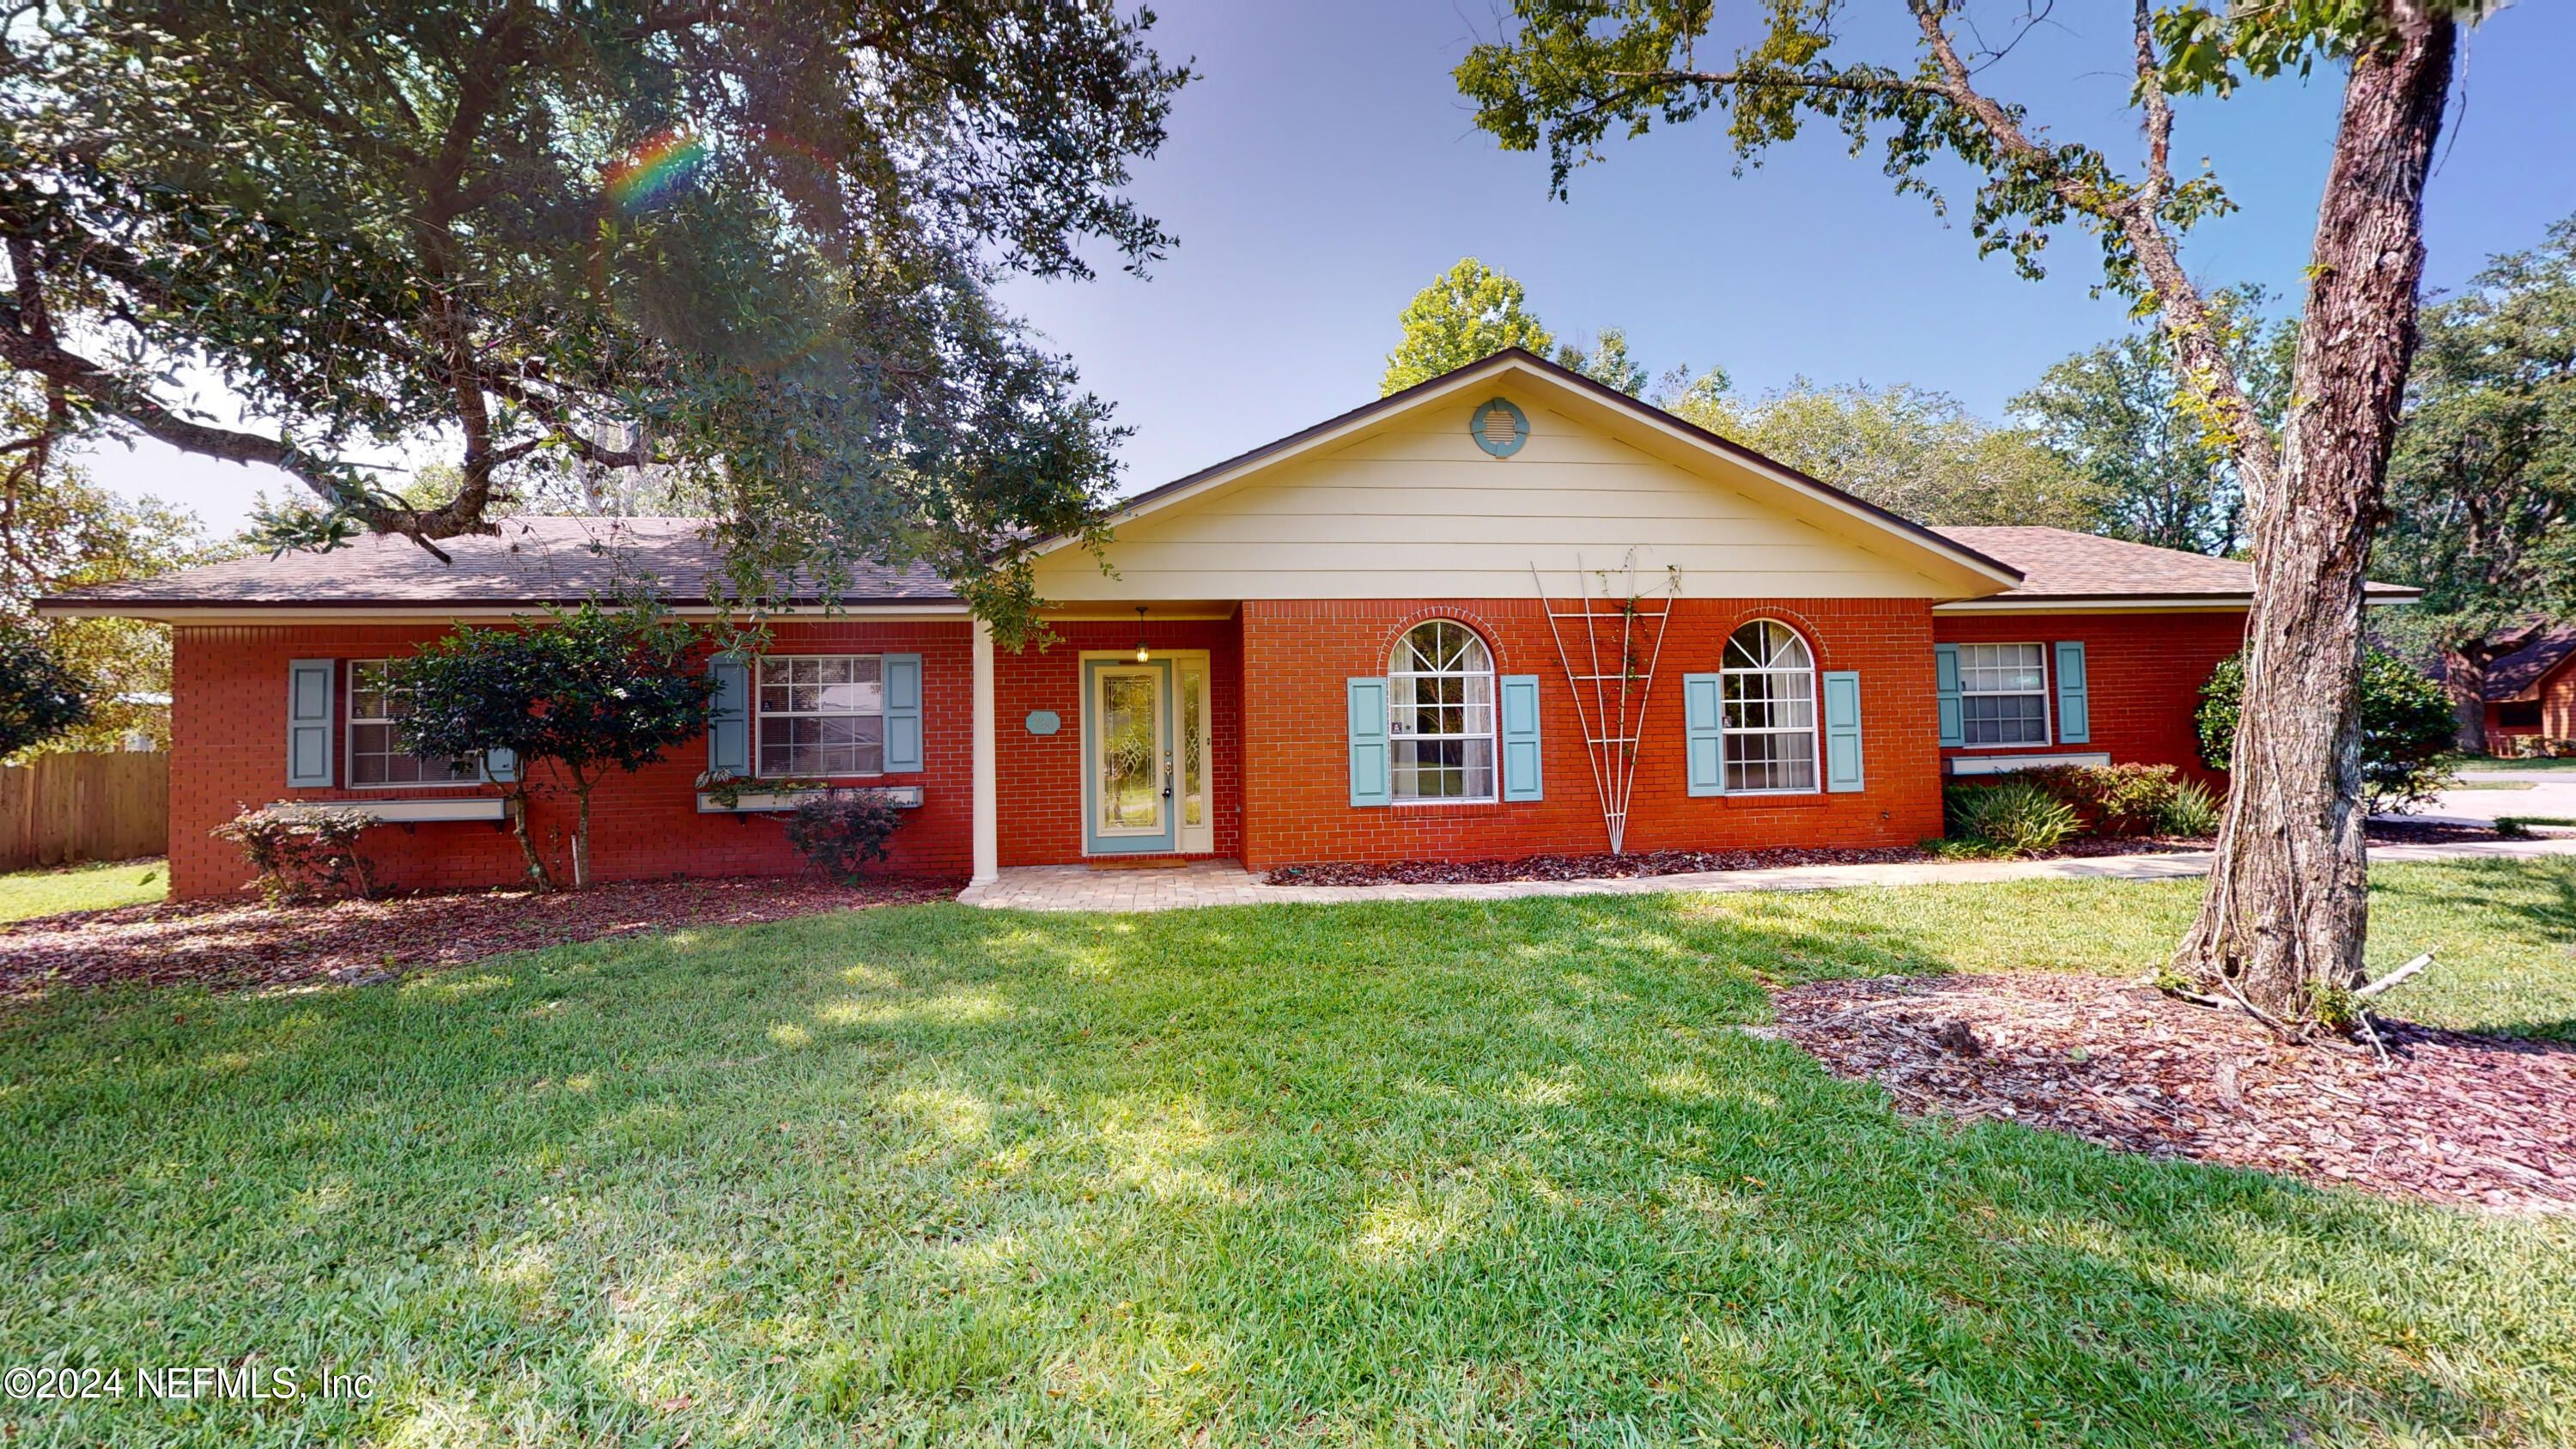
(1127, 757)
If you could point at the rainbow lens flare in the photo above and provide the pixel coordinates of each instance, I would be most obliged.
(654, 170)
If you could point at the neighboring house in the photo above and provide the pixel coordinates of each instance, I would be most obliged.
(1336, 647)
(2531, 693)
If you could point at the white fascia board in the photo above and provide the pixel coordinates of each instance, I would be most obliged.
(2143, 604)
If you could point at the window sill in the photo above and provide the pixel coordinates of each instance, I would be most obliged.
(749, 802)
(408, 812)
(1772, 800)
(2000, 764)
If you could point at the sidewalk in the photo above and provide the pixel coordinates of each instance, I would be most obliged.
(1224, 883)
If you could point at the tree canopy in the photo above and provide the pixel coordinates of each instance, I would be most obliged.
(39, 698)
(2119, 415)
(1911, 450)
(748, 244)
(2482, 490)
(1605, 361)
(1469, 312)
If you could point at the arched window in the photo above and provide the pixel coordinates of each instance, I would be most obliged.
(1769, 685)
(1440, 713)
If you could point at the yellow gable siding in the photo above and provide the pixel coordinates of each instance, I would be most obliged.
(1417, 510)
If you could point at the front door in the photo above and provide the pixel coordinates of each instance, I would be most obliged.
(1128, 769)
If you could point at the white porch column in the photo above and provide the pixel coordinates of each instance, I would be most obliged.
(988, 776)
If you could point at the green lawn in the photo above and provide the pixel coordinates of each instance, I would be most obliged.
(2536, 765)
(1387, 1174)
(93, 887)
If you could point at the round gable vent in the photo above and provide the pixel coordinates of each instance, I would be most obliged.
(1499, 428)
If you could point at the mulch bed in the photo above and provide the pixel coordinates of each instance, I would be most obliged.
(1669, 862)
(236, 944)
(1685, 862)
(2480, 1121)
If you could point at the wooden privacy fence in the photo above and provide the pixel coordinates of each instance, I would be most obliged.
(84, 807)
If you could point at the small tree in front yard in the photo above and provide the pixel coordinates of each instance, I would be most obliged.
(593, 690)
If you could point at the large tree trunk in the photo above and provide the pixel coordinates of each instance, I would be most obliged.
(2464, 678)
(2288, 892)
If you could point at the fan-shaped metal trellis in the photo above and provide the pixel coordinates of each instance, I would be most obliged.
(1610, 696)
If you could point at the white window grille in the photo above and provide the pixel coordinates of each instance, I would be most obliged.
(821, 715)
(2003, 694)
(1440, 713)
(1767, 683)
(376, 755)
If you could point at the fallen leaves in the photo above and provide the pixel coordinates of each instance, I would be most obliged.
(2455, 1117)
(234, 944)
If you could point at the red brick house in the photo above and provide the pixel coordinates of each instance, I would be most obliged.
(1363, 642)
(2531, 695)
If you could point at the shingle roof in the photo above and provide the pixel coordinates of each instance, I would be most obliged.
(549, 560)
(2060, 563)
(532, 561)
(2519, 673)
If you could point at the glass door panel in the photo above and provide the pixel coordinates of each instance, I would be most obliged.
(1131, 764)
(1198, 805)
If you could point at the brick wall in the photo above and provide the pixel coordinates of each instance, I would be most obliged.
(1041, 775)
(228, 750)
(2143, 674)
(1298, 656)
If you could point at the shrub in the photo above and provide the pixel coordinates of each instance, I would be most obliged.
(2015, 816)
(302, 853)
(841, 830)
(2110, 799)
(39, 698)
(2191, 810)
(2407, 728)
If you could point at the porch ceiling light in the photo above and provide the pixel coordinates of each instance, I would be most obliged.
(1141, 655)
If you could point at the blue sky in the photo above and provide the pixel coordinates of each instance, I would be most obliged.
(1323, 169)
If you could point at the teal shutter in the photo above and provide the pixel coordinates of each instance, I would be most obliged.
(2074, 714)
(1842, 730)
(1370, 784)
(1705, 746)
(729, 717)
(1945, 687)
(501, 766)
(1520, 737)
(308, 722)
(902, 713)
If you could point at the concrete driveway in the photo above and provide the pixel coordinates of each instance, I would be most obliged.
(2482, 795)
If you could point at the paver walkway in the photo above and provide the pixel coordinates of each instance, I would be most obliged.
(1225, 883)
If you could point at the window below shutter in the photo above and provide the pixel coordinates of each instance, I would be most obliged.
(902, 676)
(1945, 688)
(1370, 783)
(729, 718)
(1520, 737)
(1842, 730)
(2074, 711)
(308, 722)
(1705, 747)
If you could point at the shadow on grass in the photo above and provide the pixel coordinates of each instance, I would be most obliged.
(1464, 1173)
